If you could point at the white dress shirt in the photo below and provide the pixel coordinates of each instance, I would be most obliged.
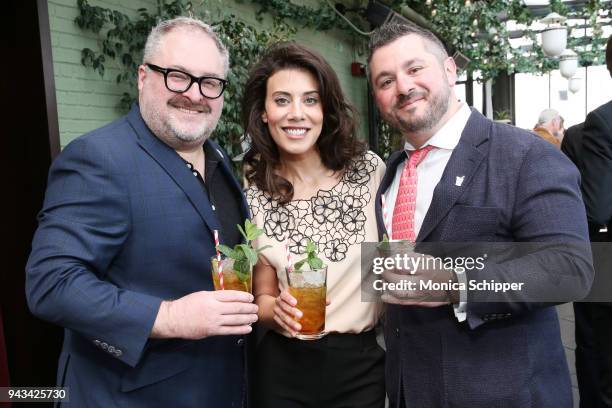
(429, 173)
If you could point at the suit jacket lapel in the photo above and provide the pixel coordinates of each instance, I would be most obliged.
(465, 159)
(171, 162)
(394, 160)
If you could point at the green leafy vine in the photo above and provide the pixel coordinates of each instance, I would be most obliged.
(321, 18)
(478, 29)
(475, 27)
(244, 255)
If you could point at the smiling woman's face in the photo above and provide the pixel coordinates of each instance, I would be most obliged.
(293, 111)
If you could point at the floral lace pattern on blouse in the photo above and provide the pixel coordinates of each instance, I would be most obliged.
(334, 219)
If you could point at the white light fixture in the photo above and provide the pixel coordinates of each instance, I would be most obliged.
(554, 36)
(574, 84)
(568, 63)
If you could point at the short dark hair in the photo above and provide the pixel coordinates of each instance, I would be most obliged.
(389, 32)
(337, 143)
(609, 55)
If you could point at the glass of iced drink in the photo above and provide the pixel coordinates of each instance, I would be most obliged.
(309, 287)
(232, 280)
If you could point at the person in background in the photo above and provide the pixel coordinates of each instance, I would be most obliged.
(311, 179)
(586, 361)
(550, 126)
(596, 169)
(121, 256)
(571, 144)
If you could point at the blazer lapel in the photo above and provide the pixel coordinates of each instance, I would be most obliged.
(394, 160)
(463, 163)
(171, 162)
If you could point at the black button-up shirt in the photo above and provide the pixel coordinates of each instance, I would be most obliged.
(224, 199)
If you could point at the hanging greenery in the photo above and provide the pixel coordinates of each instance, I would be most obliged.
(318, 18)
(123, 39)
(477, 28)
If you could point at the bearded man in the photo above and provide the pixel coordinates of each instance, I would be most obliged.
(463, 178)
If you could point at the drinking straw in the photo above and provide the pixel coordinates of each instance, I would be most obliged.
(289, 255)
(385, 215)
(219, 264)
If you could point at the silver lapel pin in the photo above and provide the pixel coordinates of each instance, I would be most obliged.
(459, 181)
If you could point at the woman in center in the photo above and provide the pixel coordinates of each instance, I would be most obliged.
(311, 179)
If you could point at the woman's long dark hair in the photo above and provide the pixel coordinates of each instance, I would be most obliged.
(337, 143)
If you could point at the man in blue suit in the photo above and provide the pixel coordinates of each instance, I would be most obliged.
(474, 181)
(121, 257)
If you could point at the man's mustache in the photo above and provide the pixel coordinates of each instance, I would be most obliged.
(181, 102)
(403, 98)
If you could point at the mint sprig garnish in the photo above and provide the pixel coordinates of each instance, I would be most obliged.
(311, 258)
(384, 244)
(244, 255)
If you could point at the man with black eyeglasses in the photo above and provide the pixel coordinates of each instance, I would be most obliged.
(121, 257)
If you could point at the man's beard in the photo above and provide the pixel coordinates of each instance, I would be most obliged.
(436, 108)
(169, 129)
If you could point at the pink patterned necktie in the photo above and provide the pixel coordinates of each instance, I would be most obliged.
(405, 203)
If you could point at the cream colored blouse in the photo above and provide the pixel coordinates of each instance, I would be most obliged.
(337, 220)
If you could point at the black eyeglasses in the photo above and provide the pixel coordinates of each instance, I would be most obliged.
(179, 82)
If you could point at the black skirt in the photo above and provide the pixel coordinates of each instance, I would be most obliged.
(340, 370)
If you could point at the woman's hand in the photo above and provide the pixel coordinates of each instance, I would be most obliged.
(285, 314)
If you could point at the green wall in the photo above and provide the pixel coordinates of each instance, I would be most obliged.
(87, 101)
